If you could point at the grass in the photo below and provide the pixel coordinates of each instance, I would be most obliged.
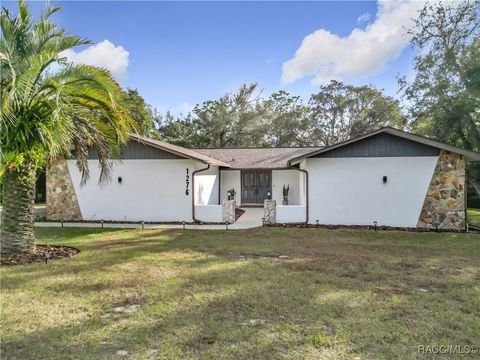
(473, 216)
(227, 294)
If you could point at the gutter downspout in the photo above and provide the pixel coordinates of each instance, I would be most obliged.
(306, 192)
(193, 190)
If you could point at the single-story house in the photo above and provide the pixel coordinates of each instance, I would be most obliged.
(387, 176)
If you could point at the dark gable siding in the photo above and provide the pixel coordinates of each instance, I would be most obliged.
(381, 145)
(135, 150)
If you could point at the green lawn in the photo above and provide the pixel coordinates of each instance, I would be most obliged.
(338, 295)
(473, 216)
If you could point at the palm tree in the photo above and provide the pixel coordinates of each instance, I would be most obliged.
(49, 109)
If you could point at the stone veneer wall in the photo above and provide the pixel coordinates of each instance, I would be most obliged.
(445, 201)
(62, 202)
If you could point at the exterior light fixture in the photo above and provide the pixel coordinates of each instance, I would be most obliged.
(62, 223)
(436, 224)
(263, 221)
(385, 179)
(119, 179)
(46, 256)
(375, 223)
(101, 222)
(269, 195)
(183, 224)
(318, 222)
(143, 225)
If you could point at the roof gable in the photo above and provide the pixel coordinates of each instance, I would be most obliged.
(381, 145)
(368, 147)
(179, 151)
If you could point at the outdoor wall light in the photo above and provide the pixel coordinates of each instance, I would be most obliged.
(375, 223)
(269, 195)
(385, 179)
(119, 179)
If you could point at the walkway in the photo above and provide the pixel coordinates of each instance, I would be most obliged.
(250, 219)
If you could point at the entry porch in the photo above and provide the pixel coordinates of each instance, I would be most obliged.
(250, 188)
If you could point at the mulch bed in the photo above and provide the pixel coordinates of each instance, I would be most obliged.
(238, 213)
(364, 227)
(56, 252)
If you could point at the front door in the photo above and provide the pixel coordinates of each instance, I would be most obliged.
(256, 184)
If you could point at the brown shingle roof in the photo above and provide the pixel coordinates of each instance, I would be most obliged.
(256, 158)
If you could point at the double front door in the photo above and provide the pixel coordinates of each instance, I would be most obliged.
(256, 186)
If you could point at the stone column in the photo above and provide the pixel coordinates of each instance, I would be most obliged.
(270, 212)
(62, 202)
(444, 205)
(228, 211)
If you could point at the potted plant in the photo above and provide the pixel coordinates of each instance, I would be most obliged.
(285, 191)
(231, 194)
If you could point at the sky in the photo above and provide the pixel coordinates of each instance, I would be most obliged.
(179, 54)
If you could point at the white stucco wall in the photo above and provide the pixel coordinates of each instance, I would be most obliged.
(286, 177)
(151, 190)
(208, 213)
(206, 185)
(303, 183)
(291, 213)
(230, 179)
(350, 191)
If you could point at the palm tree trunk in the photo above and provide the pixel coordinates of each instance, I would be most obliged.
(18, 196)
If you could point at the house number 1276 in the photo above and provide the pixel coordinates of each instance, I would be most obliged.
(187, 183)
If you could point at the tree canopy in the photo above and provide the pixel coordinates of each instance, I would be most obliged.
(244, 119)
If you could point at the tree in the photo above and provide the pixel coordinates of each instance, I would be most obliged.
(180, 131)
(288, 123)
(444, 94)
(141, 112)
(340, 112)
(46, 113)
(233, 120)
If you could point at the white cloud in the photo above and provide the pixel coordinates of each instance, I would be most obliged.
(327, 56)
(105, 55)
(364, 17)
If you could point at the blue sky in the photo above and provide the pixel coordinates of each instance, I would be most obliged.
(182, 53)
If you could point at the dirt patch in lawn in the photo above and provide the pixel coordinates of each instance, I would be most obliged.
(38, 254)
